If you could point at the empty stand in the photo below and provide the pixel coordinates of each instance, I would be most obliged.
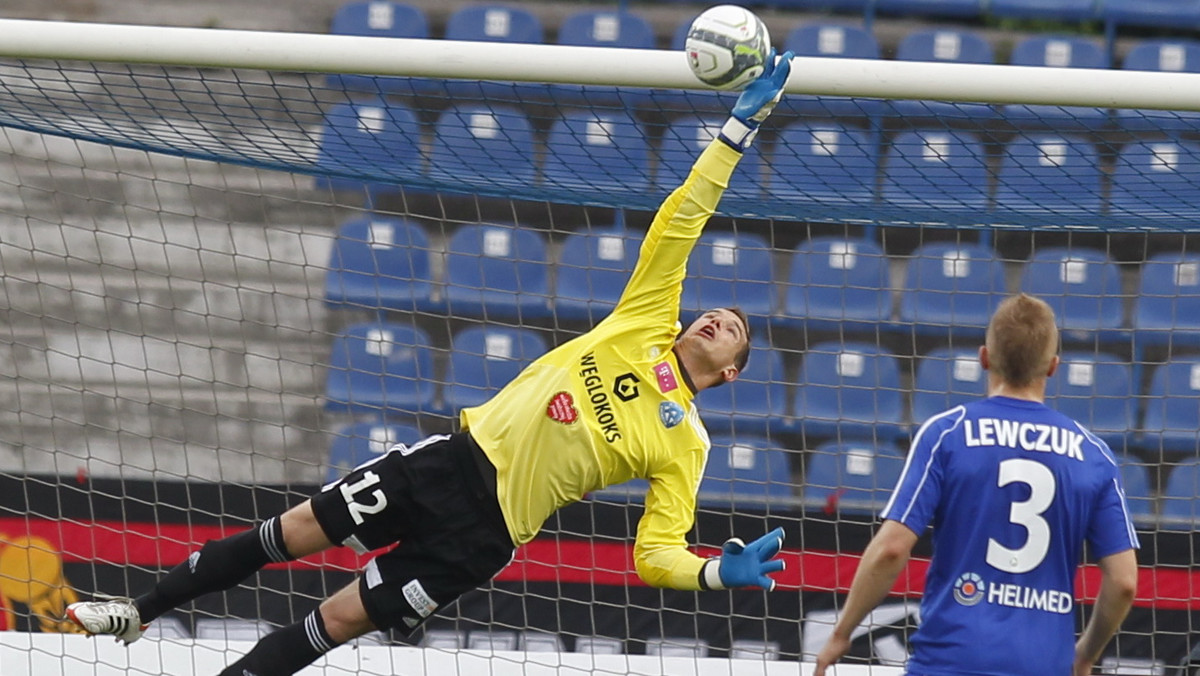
(373, 136)
(944, 379)
(1062, 10)
(483, 146)
(730, 270)
(1135, 480)
(380, 368)
(936, 168)
(1055, 52)
(603, 28)
(851, 477)
(831, 41)
(1181, 497)
(1049, 173)
(380, 263)
(837, 284)
(945, 46)
(1157, 179)
(498, 273)
(593, 268)
(683, 141)
(849, 390)
(689, 102)
(597, 150)
(1168, 302)
(951, 289)
(756, 402)
(958, 9)
(357, 443)
(1172, 403)
(484, 359)
(383, 19)
(1097, 390)
(1171, 56)
(231, 629)
(670, 646)
(493, 23)
(824, 162)
(1083, 287)
(745, 472)
(1158, 13)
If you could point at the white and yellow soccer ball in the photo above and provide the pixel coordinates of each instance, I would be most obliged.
(727, 46)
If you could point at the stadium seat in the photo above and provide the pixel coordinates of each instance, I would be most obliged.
(1051, 174)
(1083, 287)
(824, 162)
(1097, 390)
(727, 270)
(851, 477)
(380, 263)
(939, 169)
(944, 46)
(944, 379)
(603, 28)
(357, 443)
(1167, 310)
(849, 390)
(593, 268)
(369, 138)
(597, 151)
(683, 141)
(1157, 179)
(1181, 497)
(380, 368)
(750, 649)
(167, 628)
(837, 284)
(1172, 56)
(688, 647)
(382, 19)
(689, 102)
(444, 639)
(492, 640)
(745, 472)
(1172, 403)
(755, 402)
(1155, 13)
(832, 41)
(483, 145)
(957, 9)
(599, 645)
(485, 358)
(231, 629)
(951, 289)
(1135, 479)
(540, 642)
(1061, 10)
(1056, 52)
(497, 272)
(493, 23)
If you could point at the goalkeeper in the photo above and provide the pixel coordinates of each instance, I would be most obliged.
(609, 406)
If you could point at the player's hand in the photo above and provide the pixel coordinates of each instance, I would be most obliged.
(760, 96)
(743, 565)
(834, 650)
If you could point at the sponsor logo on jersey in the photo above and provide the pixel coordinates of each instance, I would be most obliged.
(562, 408)
(969, 589)
(1033, 437)
(626, 387)
(666, 377)
(415, 594)
(670, 413)
(598, 397)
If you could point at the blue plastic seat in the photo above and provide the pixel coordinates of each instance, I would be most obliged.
(755, 402)
(727, 270)
(825, 163)
(497, 272)
(380, 263)
(1161, 13)
(1082, 286)
(1097, 390)
(745, 472)
(591, 150)
(593, 269)
(837, 284)
(944, 46)
(951, 289)
(849, 390)
(355, 444)
(369, 138)
(832, 41)
(683, 141)
(944, 379)
(1168, 301)
(484, 146)
(380, 368)
(493, 23)
(936, 168)
(1051, 174)
(603, 28)
(689, 102)
(1172, 56)
(1172, 423)
(1057, 52)
(1135, 479)
(851, 477)
(853, 6)
(1181, 497)
(1061, 10)
(1157, 179)
(960, 9)
(484, 359)
(381, 19)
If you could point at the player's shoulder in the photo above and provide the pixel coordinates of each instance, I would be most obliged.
(936, 426)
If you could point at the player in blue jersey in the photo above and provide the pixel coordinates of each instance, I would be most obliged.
(1014, 489)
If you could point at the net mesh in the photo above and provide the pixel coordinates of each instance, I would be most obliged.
(224, 288)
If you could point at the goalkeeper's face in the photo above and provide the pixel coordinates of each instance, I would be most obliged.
(713, 344)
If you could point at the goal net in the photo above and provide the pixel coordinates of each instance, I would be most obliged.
(224, 284)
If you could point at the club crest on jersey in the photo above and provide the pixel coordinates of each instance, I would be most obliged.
(969, 589)
(666, 377)
(670, 413)
(562, 408)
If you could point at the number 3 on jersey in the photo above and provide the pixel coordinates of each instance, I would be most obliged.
(358, 510)
(1027, 513)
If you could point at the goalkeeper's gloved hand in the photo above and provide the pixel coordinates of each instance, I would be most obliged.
(757, 101)
(745, 565)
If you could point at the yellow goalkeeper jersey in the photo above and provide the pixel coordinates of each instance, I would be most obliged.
(614, 404)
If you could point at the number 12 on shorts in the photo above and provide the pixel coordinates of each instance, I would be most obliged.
(358, 510)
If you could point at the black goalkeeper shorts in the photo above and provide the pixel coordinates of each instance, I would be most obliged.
(437, 498)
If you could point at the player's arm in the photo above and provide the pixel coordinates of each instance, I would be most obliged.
(1118, 585)
(884, 558)
(657, 280)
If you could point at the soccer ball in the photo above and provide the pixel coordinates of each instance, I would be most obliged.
(727, 46)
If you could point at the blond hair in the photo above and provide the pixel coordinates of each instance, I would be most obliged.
(1022, 340)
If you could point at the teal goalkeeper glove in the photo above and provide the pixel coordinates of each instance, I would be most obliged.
(745, 565)
(757, 101)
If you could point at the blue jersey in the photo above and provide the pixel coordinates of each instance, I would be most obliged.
(1013, 489)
